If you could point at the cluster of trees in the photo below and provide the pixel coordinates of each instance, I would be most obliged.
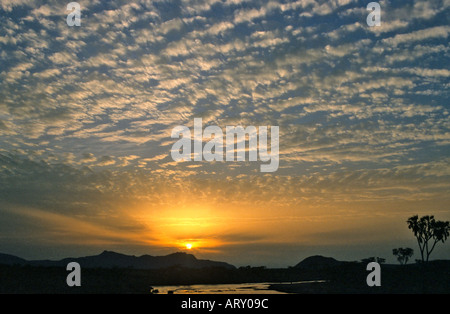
(428, 232)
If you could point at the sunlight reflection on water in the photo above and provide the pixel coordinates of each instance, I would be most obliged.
(242, 288)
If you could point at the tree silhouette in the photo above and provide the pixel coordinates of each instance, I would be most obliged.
(426, 228)
(403, 254)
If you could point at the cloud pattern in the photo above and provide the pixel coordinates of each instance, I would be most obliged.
(86, 112)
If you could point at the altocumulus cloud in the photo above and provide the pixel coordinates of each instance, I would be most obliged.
(86, 112)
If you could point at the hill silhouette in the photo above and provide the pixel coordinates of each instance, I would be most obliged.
(317, 262)
(7, 259)
(110, 259)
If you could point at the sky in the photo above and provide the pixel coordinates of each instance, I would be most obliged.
(86, 115)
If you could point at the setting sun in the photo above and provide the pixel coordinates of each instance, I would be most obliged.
(188, 246)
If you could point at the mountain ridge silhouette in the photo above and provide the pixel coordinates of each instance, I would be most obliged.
(11, 259)
(111, 259)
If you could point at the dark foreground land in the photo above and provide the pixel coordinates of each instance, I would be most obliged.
(346, 277)
(350, 278)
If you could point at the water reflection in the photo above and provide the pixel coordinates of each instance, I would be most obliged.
(242, 288)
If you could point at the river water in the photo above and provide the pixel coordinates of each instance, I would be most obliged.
(242, 288)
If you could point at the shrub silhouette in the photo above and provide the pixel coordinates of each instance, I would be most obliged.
(368, 260)
(403, 254)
